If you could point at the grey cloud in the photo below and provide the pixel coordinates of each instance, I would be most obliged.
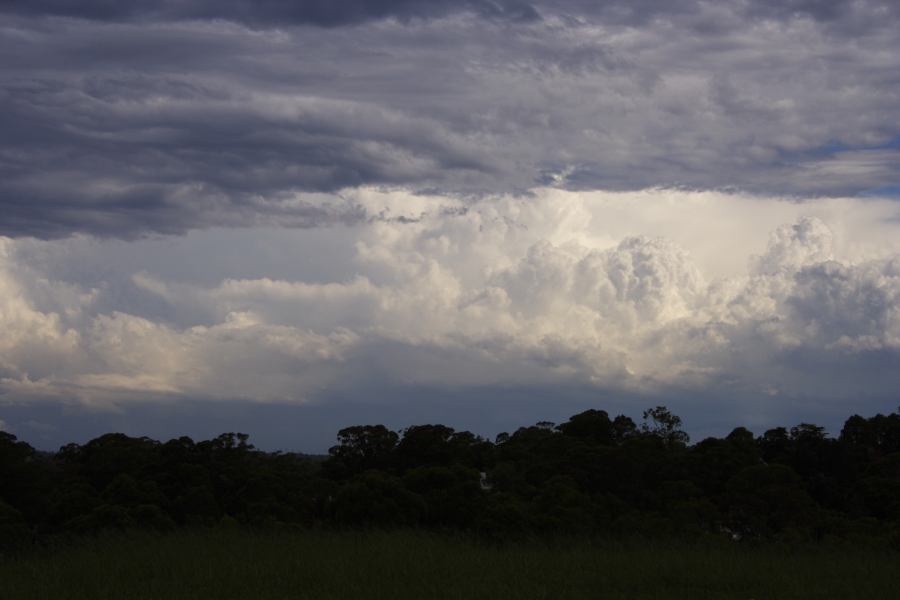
(879, 167)
(124, 125)
(326, 13)
(348, 12)
(123, 165)
(854, 309)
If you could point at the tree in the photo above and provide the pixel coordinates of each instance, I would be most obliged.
(24, 480)
(775, 445)
(623, 428)
(14, 531)
(660, 423)
(452, 494)
(427, 445)
(364, 447)
(765, 500)
(377, 499)
(593, 425)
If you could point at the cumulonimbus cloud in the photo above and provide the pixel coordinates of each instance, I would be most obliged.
(606, 289)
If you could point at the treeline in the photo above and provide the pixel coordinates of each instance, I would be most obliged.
(591, 476)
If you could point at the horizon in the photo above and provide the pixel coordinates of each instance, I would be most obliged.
(275, 424)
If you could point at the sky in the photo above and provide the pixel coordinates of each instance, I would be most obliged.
(285, 218)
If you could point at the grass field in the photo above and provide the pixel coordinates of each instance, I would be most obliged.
(221, 565)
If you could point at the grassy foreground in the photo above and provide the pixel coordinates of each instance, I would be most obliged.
(332, 566)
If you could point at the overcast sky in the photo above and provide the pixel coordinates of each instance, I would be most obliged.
(288, 217)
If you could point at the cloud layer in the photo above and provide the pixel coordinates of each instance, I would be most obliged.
(292, 202)
(560, 289)
(131, 118)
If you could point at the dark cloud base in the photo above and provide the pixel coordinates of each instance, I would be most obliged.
(161, 117)
(323, 13)
(327, 13)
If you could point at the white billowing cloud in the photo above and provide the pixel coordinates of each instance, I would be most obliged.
(808, 241)
(639, 291)
(33, 343)
(239, 357)
(818, 301)
(840, 306)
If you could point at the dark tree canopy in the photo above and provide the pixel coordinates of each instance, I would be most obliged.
(592, 475)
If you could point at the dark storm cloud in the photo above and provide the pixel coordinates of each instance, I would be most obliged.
(327, 13)
(168, 116)
(109, 153)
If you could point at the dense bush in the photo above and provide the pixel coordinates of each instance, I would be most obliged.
(591, 476)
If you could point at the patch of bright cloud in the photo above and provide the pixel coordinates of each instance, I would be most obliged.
(642, 292)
